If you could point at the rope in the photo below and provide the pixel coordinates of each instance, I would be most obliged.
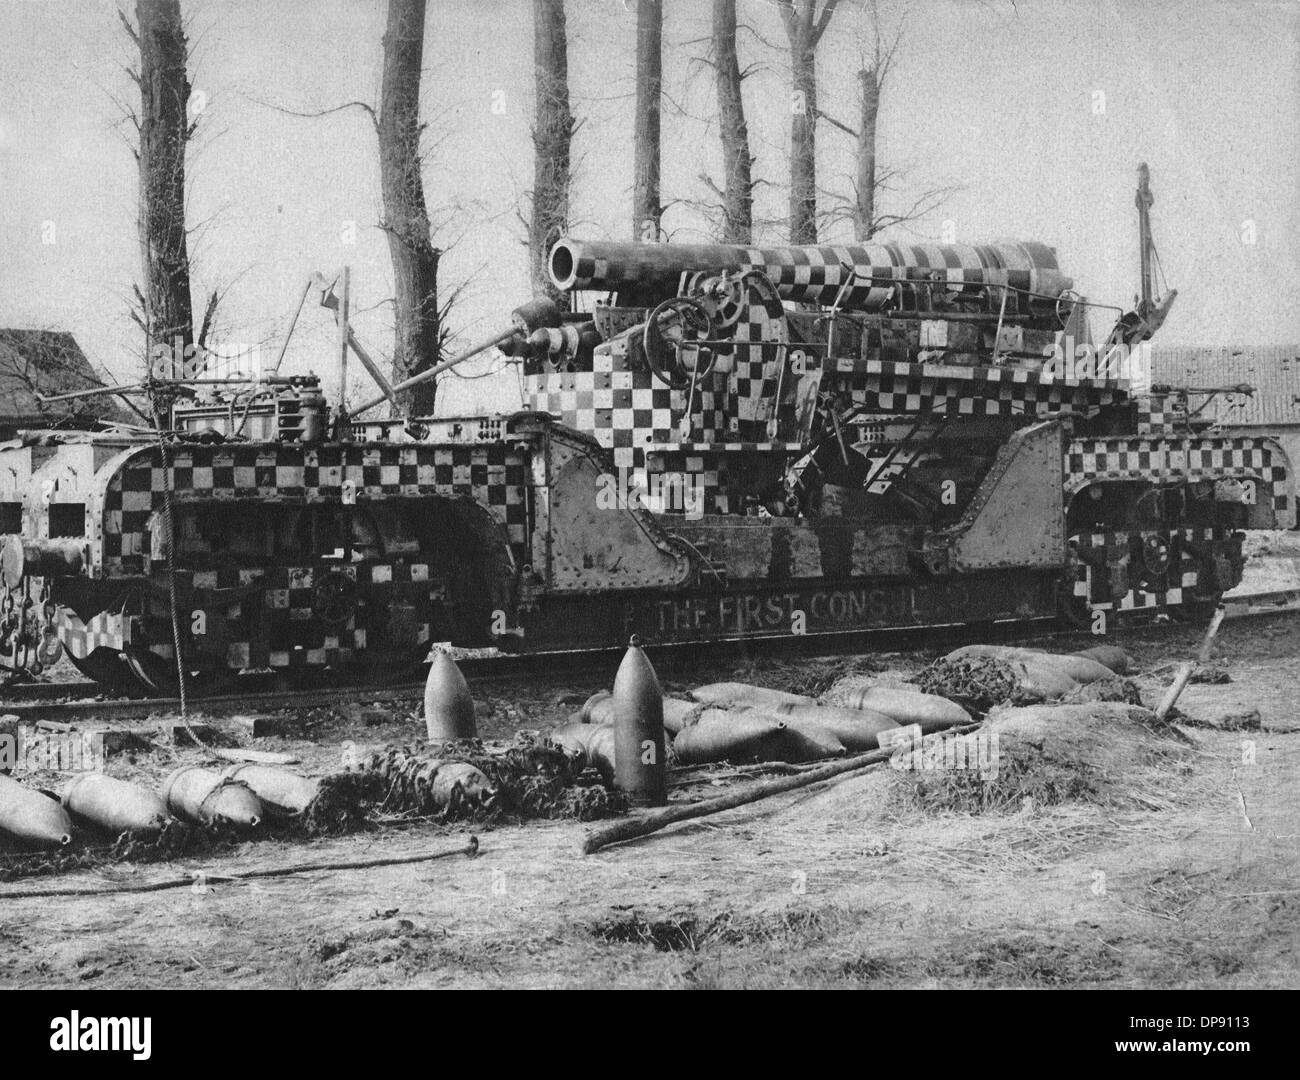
(470, 849)
(170, 539)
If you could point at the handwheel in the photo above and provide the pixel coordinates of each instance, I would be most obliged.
(678, 325)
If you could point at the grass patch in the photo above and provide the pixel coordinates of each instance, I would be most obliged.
(688, 931)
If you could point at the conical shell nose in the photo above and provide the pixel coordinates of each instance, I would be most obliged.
(638, 706)
(448, 706)
(636, 676)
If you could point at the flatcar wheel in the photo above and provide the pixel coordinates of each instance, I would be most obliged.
(1073, 610)
(1199, 611)
(107, 668)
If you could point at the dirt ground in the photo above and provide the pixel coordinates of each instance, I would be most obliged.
(1192, 884)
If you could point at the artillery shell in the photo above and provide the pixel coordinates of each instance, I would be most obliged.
(208, 798)
(640, 766)
(115, 806)
(448, 707)
(281, 791)
(32, 818)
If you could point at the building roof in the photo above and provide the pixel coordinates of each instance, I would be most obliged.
(1274, 372)
(47, 362)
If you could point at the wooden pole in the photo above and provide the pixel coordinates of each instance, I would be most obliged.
(343, 341)
(293, 323)
(425, 376)
(643, 825)
(1186, 669)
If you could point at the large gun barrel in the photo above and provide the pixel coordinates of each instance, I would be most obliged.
(880, 273)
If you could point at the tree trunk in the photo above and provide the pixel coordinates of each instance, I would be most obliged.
(737, 198)
(804, 29)
(803, 149)
(646, 210)
(164, 131)
(416, 343)
(552, 137)
(864, 209)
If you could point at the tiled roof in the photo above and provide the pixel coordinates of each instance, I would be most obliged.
(46, 362)
(1274, 372)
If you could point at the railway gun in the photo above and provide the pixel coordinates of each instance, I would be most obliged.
(717, 442)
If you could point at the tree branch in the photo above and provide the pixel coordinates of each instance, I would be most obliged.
(823, 22)
(369, 110)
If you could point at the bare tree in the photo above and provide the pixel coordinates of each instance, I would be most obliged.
(553, 129)
(804, 28)
(417, 316)
(738, 190)
(164, 128)
(869, 180)
(646, 207)
(864, 203)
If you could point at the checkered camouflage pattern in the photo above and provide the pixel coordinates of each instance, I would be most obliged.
(106, 630)
(1102, 558)
(891, 387)
(1167, 459)
(494, 475)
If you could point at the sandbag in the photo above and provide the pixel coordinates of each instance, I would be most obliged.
(600, 751)
(679, 714)
(1043, 680)
(458, 786)
(1112, 656)
(735, 695)
(998, 652)
(597, 709)
(857, 729)
(741, 735)
(931, 712)
(807, 740)
(1080, 669)
(574, 740)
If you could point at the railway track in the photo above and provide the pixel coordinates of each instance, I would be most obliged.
(67, 701)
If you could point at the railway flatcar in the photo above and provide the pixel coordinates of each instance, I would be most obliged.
(718, 442)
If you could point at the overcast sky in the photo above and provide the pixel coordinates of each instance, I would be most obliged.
(1037, 112)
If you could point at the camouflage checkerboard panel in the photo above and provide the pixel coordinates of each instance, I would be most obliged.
(1095, 552)
(1164, 458)
(495, 475)
(892, 387)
